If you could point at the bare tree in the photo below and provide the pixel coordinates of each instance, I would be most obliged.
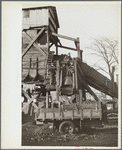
(106, 50)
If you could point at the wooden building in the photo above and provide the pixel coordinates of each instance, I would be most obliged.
(36, 41)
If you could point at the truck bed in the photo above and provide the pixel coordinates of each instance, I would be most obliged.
(86, 111)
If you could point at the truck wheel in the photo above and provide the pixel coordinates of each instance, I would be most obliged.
(66, 127)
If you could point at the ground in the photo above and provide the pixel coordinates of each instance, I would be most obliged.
(43, 135)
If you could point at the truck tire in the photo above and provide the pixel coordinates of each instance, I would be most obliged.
(66, 127)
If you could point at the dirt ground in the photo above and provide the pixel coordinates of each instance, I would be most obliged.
(43, 135)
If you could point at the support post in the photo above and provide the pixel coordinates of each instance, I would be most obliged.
(37, 67)
(47, 47)
(113, 69)
(78, 48)
(76, 76)
(47, 99)
(90, 91)
(57, 81)
(80, 102)
(61, 79)
(81, 56)
(48, 39)
(117, 79)
(56, 50)
(30, 65)
(84, 92)
(73, 76)
(100, 109)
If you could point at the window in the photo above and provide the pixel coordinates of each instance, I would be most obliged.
(26, 14)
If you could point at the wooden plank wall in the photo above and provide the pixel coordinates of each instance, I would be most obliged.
(33, 53)
(35, 18)
(52, 22)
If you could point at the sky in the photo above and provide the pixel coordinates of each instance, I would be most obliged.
(86, 20)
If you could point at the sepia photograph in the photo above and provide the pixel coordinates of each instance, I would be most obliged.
(70, 74)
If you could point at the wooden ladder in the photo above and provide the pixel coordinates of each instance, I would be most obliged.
(50, 57)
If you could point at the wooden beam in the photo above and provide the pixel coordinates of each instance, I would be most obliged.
(78, 48)
(90, 91)
(53, 40)
(57, 81)
(51, 24)
(34, 44)
(80, 103)
(47, 99)
(53, 18)
(56, 50)
(30, 99)
(51, 45)
(40, 68)
(30, 65)
(48, 42)
(75, 43)
(60, 43)
(31, 43)
(26, 95)
(81, 56)
(80, 69)
(76, 76)
(100, 110)
(35, 28)
(73, 76)
(63, 36)
(81, 77)
(67, 47)
(61, 78)
(37, 67)
(35, 105)
(85, 84)
(48, 37)
(34, 68)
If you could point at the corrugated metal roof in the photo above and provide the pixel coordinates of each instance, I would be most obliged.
(46, 7)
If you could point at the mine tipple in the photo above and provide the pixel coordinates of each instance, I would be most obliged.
(56, 85)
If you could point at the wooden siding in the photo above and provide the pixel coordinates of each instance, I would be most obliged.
(39, 17)
(36, 18)
(33, 53)
(70, 112)
(52, 21)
